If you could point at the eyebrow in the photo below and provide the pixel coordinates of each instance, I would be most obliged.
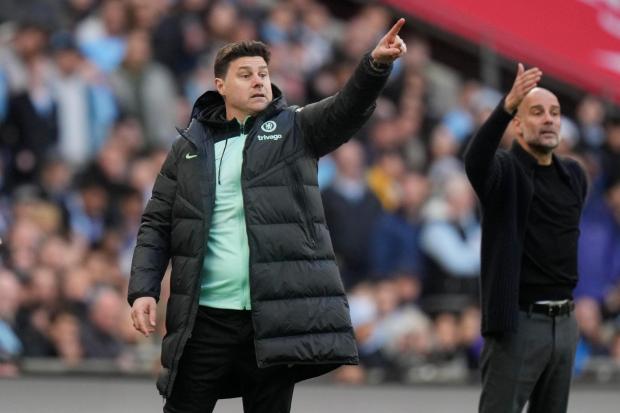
(541, 107)
(250, 68)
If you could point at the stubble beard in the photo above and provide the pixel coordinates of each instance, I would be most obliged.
(539, 146)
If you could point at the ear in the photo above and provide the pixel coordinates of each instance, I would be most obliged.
(220, 86)
(517, 125)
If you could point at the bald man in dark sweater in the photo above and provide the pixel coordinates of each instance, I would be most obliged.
(531, 204)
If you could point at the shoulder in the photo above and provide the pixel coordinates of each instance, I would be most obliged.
(178, 145)
(507, 160)
(280, 116)
(577, 171)
(574, 166)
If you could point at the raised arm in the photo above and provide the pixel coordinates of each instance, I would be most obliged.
(480, 155)
(332, 121)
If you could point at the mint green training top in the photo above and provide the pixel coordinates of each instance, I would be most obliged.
(225, 277)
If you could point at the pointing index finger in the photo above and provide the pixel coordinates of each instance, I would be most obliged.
(396, 28)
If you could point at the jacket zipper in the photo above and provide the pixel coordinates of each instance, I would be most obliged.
(245, 145)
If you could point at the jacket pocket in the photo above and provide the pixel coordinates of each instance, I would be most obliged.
(300, 195)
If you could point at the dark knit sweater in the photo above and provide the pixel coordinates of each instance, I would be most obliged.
(503, 182)
(549, 266)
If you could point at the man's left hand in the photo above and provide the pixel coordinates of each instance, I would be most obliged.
(391, 46)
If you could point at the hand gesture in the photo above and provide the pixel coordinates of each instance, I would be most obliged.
(525, 81)
(143, 315)
(391, 46)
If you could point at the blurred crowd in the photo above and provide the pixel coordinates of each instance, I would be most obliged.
(90, 93)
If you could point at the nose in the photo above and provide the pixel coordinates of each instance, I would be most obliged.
(548, 118)
(257, 81)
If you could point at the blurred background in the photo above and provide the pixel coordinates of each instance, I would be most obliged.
(90, 93)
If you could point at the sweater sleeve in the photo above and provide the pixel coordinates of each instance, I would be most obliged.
(481, 165)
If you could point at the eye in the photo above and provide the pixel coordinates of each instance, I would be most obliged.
(263, 75)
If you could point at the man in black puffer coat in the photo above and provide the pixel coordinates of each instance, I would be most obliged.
(256, 301)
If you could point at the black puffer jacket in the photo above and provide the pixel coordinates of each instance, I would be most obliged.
(299, 308)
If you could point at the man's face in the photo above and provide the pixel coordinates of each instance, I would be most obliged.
(68, 61)
(538, 121)
(246, 87)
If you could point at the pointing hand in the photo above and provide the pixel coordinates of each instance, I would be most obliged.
(391, 46)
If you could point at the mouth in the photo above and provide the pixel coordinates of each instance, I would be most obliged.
(258, 96)
(548, 133)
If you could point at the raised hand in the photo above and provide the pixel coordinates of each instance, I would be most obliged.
(391, 46)
(525, 81)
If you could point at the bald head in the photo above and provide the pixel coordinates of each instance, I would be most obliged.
(538, 96)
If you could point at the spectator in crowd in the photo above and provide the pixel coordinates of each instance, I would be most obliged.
(459, 119)
(76, 285)
(391, 332)
(590, 116)
(442, 82)
(599, 253)
(444, 164)
(317, 35)
(482, 102)
(615, 348)
(279, 26)
(29, 128)
(395, 244)
(75, 11)
(64, 332)
(101, 36)
(221, 21)
(55, 187)
(450, 242)
(569, 134)
(89, 210)
(41, 299)
(22, 243)
(100, 336)
(180, 37)
(470, 339)
(383, 177)
(610, 156)
(146, 14)
(592, 341)
(350, 211)
(145, 90)
(85, 105)
(10, 345)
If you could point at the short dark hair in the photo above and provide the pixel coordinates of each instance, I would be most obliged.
(233, 51)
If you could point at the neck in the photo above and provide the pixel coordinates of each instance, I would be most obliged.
(241, 116)
(543, 158)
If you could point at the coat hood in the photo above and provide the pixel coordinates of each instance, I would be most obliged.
(210, 108)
